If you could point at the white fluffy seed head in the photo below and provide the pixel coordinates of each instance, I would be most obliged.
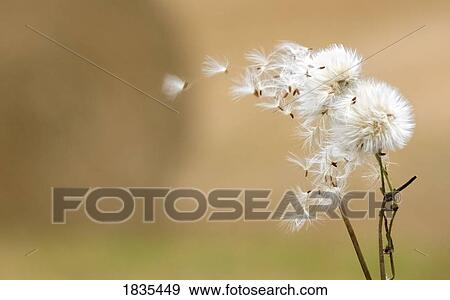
(330, 74)
(173, 85)
(333, 69)
(213, 66)
(374, 118)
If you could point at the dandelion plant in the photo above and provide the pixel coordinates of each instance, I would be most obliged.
(344, 119)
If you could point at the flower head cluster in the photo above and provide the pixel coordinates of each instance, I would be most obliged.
(342, 117)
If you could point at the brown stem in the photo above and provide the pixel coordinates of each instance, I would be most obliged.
(380, 243)
(390, 246)
(406, 184)
(380, 221)
(355, 243)
(391, 243)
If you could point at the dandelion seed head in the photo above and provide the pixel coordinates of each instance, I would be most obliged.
(331, 73)
(333, 69)
(380, 120)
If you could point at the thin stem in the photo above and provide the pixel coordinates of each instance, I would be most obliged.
(391, 223)
(388, 228)
(406, 184)
(386, 176)
(380, 163)
(390, 247)
(391, 244)
(380, 221)
(355, 243)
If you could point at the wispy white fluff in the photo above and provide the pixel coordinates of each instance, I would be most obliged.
(306, 164)
(372, 172)
(271, 103)
(212, 66)
(244, 86)
(379, 119)
(294, 49)
(258, 59)
(275, 78)
(173, 85)
(333, 69)
(296, 221)
(331, 72)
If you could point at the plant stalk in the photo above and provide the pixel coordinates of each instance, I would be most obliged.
(355, 243)
(381, 216)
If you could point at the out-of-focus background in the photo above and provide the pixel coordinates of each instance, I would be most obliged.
(65, 123)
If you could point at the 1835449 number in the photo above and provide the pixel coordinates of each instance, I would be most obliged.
(151, 289)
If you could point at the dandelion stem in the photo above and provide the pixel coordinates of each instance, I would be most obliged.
(391, 223)
(388, 181)
(355, 243)
(387, 197)
(391, 243)
(380, 221)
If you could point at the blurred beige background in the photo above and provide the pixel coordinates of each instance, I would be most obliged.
(65, 123)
